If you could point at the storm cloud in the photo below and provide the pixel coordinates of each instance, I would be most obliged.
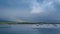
(30, 10)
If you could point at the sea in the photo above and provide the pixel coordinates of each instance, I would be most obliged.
(26, 29)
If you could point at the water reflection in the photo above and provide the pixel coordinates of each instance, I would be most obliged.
(5, 26)
(28, 29)
(46, 26)
(48, 31)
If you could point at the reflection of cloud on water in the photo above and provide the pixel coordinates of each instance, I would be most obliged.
(48, 31)
(46, 26)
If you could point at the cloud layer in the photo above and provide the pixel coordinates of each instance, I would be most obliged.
(30, 10)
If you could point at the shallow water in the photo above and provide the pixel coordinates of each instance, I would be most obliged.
(27, 29)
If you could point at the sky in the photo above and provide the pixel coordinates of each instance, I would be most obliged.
(30, 10)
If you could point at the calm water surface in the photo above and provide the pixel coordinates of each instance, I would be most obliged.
(27, 29)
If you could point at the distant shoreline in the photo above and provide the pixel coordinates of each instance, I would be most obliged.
(27, 23)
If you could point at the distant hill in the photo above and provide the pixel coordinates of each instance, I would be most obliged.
(5, 21)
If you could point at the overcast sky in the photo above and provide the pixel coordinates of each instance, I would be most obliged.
(30, 10)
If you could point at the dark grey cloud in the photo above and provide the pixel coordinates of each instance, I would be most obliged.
(30, 10)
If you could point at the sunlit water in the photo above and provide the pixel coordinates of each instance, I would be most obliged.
(27, 29)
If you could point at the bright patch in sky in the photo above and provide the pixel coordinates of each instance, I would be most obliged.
(36, 8)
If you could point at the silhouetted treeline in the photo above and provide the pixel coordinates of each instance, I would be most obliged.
(28, 23)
